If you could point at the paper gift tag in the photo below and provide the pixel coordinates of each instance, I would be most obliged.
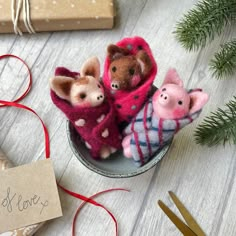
(23, 231)
(28, 195)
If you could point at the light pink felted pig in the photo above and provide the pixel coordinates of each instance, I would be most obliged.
(81, 97)
(171, 108)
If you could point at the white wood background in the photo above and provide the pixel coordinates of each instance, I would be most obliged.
(204, 178)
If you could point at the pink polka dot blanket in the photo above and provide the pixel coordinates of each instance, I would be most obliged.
(133, 59)
(96, 125)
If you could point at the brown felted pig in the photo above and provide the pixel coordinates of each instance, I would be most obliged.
(127, 71)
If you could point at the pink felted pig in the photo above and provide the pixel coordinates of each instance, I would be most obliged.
(81, 97)
(171, 108)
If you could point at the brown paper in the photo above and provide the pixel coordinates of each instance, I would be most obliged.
(57, 15)
(27, 230)
(28, 196)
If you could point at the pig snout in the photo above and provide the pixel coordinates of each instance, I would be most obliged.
(115, 85)
(98, 99)
(164, 99)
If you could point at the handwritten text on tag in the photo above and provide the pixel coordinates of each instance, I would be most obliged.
(28, 195)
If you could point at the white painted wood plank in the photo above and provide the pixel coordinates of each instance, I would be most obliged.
(14, 76)
(55, 54)
(226, 217)
(200, 176)
(100, 231)
(94, 221)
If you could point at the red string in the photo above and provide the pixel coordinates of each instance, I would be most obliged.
(93, 196)
(47, 143)
(30, 77)
(90, 200)
(47, 149)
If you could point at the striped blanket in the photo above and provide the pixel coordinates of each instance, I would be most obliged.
(149, 133)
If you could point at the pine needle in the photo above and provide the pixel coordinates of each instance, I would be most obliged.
(204, 22)
(219, 127)
(224, 62)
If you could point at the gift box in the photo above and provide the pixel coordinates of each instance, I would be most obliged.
(55, 15)
(28, 230)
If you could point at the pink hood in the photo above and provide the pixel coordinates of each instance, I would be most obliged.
(128, 103)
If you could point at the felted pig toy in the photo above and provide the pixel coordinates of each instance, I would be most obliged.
(81, 98)
(170, 109)
(129, 72)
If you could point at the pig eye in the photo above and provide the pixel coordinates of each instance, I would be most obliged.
(180, 102)
(99, 86)
(114, 69)
(131, 71)
(82, 95)
(164, 89)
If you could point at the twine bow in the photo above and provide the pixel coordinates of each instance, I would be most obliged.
(16, 6)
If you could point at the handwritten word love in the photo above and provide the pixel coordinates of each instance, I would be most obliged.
(13, 202)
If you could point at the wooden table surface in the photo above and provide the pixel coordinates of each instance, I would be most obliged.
(203, 178)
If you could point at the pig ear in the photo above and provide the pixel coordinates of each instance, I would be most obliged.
(61, 85)
(115, 52)
(144, 62)
(197, 100)
(91, 67)
(172, 77)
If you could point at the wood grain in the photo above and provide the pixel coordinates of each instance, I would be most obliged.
(203, 178)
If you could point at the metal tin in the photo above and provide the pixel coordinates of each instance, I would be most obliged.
(116, 166)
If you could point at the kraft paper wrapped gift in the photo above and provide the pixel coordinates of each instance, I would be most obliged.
(24, 231)
(59, 15)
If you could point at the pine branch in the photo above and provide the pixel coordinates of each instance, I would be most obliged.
(224, 62)
(219, 127)
(204, 22)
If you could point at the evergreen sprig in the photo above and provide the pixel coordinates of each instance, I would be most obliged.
(202, 23)
(224, 62)
(219, 127)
